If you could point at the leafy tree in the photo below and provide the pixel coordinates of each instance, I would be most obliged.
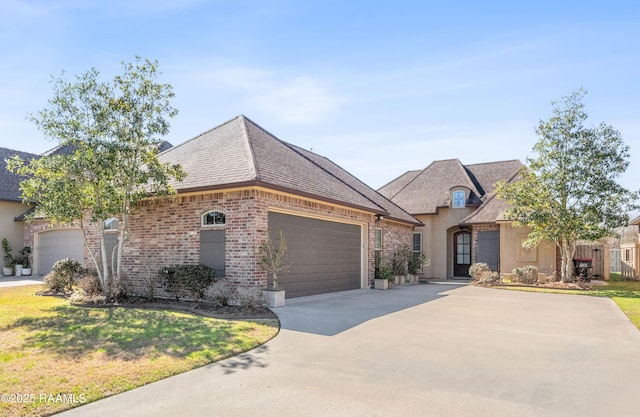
(569, 191)
(113, 131)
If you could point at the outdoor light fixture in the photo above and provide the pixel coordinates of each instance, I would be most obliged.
(379, 216)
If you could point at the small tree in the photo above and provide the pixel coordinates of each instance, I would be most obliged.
(113, 130)
(569, 191)
(273, 257)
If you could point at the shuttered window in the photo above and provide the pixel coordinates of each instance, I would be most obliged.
(488, 248)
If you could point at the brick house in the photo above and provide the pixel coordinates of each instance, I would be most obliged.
(243, 182)
(463, 221)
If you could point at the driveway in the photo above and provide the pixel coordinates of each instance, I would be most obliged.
(13, 281)
(427, 350)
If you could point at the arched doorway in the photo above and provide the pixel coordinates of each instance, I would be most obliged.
(461, 254)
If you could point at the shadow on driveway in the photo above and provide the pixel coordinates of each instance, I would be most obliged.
(331, 314)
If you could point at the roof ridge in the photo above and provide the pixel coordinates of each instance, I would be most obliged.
(253, 164)
(200, 134)
(494, 162)
(412, 180)
(293, 148)
(465, 172)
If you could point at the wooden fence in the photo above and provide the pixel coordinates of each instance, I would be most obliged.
(597, 254)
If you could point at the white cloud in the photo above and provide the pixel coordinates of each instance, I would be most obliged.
(300, 99)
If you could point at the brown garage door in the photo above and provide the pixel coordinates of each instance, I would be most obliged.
(323, 256)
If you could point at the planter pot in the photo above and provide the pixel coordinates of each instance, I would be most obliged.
(398, 279)
(381, 284)
(26, 271)
(275, 298)
(6, 271)
(18, 270)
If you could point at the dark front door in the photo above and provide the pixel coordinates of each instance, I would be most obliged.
(462, 254)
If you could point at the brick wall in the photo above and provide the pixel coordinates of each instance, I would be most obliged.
(167, 232)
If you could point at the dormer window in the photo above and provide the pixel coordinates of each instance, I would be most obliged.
(214, 218)
(458, 199)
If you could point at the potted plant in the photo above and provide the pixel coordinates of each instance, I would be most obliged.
(383, 276)
(25, 255)
(399, 262)
(273, 259)
(416, 261)
(8, 258)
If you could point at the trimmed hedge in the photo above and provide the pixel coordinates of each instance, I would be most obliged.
(187, 280)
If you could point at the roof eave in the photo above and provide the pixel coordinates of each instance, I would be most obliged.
(256, 183)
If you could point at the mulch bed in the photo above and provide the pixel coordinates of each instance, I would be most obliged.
(196, 307)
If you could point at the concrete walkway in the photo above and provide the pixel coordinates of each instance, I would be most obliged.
(13, 281)
(421, 350)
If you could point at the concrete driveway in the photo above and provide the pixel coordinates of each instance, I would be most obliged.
(427, 350)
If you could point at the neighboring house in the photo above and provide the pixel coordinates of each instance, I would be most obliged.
(11, 207)
(463, 221)
(630, 255)
(243, 182)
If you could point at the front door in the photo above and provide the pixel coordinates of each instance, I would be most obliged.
(462, 254)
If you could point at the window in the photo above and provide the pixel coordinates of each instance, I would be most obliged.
(378, 250)
(214, 218)
(458, 199)
(417, 247)
(627, 255)
(111, 224)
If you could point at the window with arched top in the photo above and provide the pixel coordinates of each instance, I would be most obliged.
(214, 218)
(458, 199)
(110, 224)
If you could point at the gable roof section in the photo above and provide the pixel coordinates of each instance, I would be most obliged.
(493, 208)
(429, 189)
(241, 153)
(9, 182)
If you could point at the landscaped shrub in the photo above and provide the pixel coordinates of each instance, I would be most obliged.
(526, 274)
(478, 269)
(63, 276)
(250, 297)
(219, 293)
(187, 280)
(488, 278)
(89, 283)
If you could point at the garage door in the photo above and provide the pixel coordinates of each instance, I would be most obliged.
(324, 256)
(58, 244)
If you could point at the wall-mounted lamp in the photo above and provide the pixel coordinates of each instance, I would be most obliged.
(379, 216)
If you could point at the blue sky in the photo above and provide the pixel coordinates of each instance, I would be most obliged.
(378, 87)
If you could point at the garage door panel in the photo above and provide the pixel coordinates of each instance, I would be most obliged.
(58, 244)
(324, 256)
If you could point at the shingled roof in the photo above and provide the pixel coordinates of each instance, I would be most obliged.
(9, 182)
(423, 192)
(241, 153)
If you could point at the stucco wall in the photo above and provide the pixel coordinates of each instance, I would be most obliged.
(437, 240)
(10, 229)
(512, 255)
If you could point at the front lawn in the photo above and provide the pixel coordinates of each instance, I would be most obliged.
(54, 356)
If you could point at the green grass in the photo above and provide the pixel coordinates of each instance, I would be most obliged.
(48, 347)
(626, 295)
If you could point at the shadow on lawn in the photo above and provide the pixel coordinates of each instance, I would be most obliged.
(130, 334)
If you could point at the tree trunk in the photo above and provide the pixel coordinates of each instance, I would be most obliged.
(568, 250)
(105, 265)
(121, 238)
